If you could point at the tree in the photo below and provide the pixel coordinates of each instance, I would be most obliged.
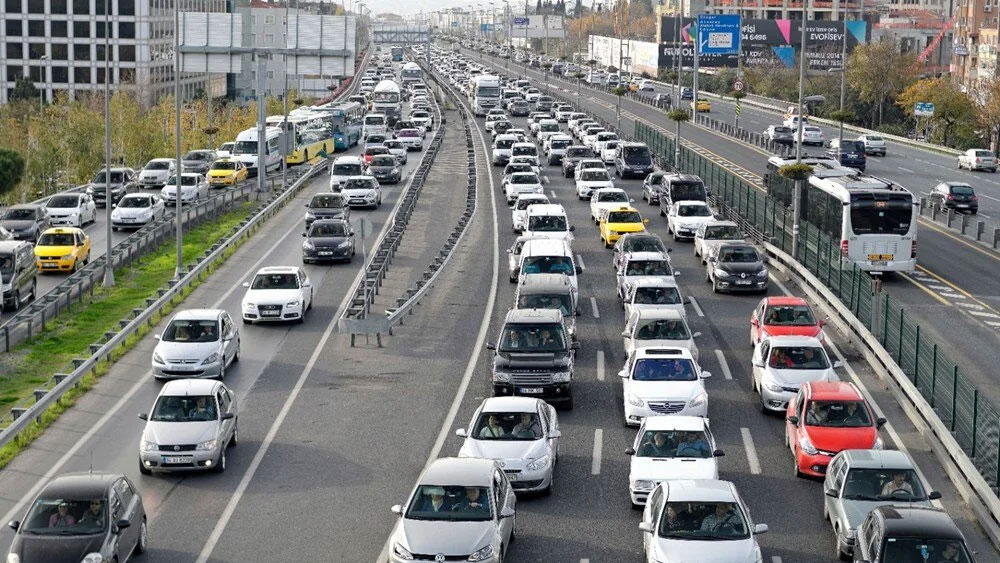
(11, 170)
(988, 109)
(952, 107)
(878, 72)
(578, 9)
(24, 90)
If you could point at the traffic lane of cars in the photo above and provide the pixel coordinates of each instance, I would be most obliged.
(261, 347)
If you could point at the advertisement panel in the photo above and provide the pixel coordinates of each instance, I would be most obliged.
(539, 27)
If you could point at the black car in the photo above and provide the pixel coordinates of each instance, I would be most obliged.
(385, 168)
(82, 517)
(652, 188)
(890, 534)
(123, 181)
(519, 108)
(25, 221)
(633, 159)
(736, 266)
(328, 239)
(574, 154)
(955, 195)
(327, 206)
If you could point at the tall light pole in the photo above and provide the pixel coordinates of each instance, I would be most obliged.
(797, 191)
(109, 269)
(679, 54)
(41, 78)
(179, 169)
(284, 98)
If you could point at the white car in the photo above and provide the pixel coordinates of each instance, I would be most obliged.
(519, 213)
(658, 328)
(521, 183)
(978, 159)
(531, 94)
(524, 149)
(493, 118)
(156, 172)
(514, 257)
(277, 293)
(782, 364)
(345, 167)
(658, 381)
(545, 129)
(531, 161)
(73, 210)
(684, 218)
(590, 136)
(423, 118)
(638, 265)
(670, 447)
(589, 180)
(874, 144)
(811, 135)
(396, 149)
(602, 138)
(699, 520)
(563, 113)
(653, 293)
(502, 147)
(713, 233)
(225, 150)
(522, 434)
(603, 200)
(194, 187)
(793, 122)
(412, 139)
(608, 151)
(362, 191)
(136, 210)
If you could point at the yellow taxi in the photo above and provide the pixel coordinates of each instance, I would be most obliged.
(62, 249)
(226, 172)
(617, 222)
(703, 105)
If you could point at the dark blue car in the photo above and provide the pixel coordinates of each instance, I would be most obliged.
(849, 153)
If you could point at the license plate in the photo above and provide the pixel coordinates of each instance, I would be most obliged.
(270, 313)
(879, 263)
(530, 390)
(879, 257)
(50, 264)
(126, 219)
(357, 201)
(512, 476)
(175, 459)
(962, 205)
(326, 253)
(742, 282)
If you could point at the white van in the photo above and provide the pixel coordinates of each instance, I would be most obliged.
(549, 256)
(548, 220)
(245, 149)
(343, 168)
(375, 123)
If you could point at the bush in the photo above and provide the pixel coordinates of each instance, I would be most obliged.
(679, 115)
(11, 170)
(796, 171)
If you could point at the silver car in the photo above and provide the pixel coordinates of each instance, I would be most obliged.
(197, 343)
(189, 427)
(462, 509)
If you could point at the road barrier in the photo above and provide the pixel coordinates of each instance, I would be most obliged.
(961, 222)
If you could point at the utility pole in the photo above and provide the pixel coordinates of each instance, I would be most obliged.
(109, 270)
(284, 97)
(697, 52)
(843, 73)
(678, 53)
(797, 191)
(179, 170)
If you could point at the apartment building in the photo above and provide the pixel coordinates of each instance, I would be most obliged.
(820, 10)
(974, 17)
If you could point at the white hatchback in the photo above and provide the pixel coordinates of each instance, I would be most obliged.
(670, 447)
(521, 183)
(588, 180)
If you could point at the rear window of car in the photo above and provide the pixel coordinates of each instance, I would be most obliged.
(983, 153)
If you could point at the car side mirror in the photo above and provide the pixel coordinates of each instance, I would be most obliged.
(14, 525)
(832, 493)
(507, 512)
(706, 374)
(397, 509)
(623, 374)
(303, 234)
(246, 284)
(696, 335)
(122, 524)
(143, 416)
(711, 259)
(822, 323)
(575, 346)
(760, 529)
(114, 206)
(307, 284)
(572, 228)
(630, 451)
(461, 433)
(645, 221)
(625, 334)
(880, 422)
(491, 346)
(156, 337)
(793, 419)
(934, 495)
(579, 270)
(718, 453)
(228, 416)
(757, 363)
(646, 527)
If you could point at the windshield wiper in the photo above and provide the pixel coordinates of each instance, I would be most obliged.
(861, 497)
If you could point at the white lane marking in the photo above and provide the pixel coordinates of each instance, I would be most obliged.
(906, 170)
(752, 459)
(546, 178)
(697, 308)
(985, 216)
(600, 365)
(593, 305)
(585, 561)
(725, 365)
(595, 465)
(775, 559)
(579, 261)
(780, 285)
(552, 193)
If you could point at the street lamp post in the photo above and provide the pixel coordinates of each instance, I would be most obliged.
(179, 169)
(109, 269)
(797, 191)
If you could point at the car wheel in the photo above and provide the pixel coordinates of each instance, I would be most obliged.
(17, 300)
(114, 229)
(310, 301)
(236, 355)
(34, 289)
(715, 287)
(220, 465)
(143, 469)
(143, 541)
(86, 259)
(234, 440)
(635, 506)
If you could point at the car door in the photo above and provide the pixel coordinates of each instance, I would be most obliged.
(228, 344)
(650, 515)
(795, 408)
(835, 476)
(131, 511)
(503, 525)
(306, 288)
(224, 398)
(551, 428)
(760, 360)
(514, 257)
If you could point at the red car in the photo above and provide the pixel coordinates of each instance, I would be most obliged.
(825, 418)
(784, 316)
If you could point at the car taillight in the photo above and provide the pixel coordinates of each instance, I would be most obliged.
(978, 159)
(950, 196)
(913, 249)
(843, 248)
(975, 198)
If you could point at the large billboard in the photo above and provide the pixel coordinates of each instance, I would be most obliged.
(538, 27)
(765, 42)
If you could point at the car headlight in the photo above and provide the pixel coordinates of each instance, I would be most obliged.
(633, 400)
(207, 445)
(501, 377)
(806, 445)
(345, 244)
(879, 444)
(292, 304)
(642, 485)
(66, 257)
(249, 306)
(699, 400)
(401, 551)
(158, 358)
(93, 558)
(148, 446)
(561, 377)
(308, 245)
(721, 273)
(772, 386)
(482, 553)
(310, 215)
(212, 358)
(762, 273)
(539, 463)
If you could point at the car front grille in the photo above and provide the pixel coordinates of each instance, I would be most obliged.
(667, 407)
(178, 448)
(531, 379)
(431, 557)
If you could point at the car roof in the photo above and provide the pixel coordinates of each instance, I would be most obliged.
(546, 247)
(655, 313)
(654, 281)
(920, 522)
(676, 422)
(510, 404)
(546, 209)
(794, 340)
(832, 391)
(878, 459)
(8, 246)
(691, 202)
(646, 255)
(347, 160)
(718, 223)
(700, 490)
(63, 230)
(606, 190)
(533, 315)
(682, 177)
(459, 471)
(544, 283)
(77, 485)
(624, 208)
(188, 386)
(785, 300)
(278, 270)
(198, 314)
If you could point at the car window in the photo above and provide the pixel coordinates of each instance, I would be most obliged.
(708, 520)
(449, 503)
(184, 408)
(657, 369)
(798, 357)
(662, 329)
(189, 330)
(674, 444)
(124, 491)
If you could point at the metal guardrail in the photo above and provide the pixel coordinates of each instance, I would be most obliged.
(963, 224)
(23, 417)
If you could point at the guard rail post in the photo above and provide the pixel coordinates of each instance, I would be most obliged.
(965, 222)
(980, 230)
(996, 237)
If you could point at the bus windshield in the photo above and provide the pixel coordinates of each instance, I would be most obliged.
(891, 216)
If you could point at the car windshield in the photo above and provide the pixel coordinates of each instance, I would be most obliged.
(374, 139)
(342, 169)
(674, 443)
(391, 144)
(116, 177)
(522, 151)
(594, 175)
(184, 408)
(648, 268)
(693, 211)
(664, 369)
(56, 239)
(548, 127)
(560, 301)
(708, 521)
(408, 133)
(961, 190)
(66, 517)
(19, 214)
(324, 201)
(657, 296)
(838, 414)
(694, 191)
(620, 197)
(739, 255)
(524, 202)
(186, 180)
(643, 243)
(275, 281)
(579, 152)
(789, 315)
(328, 230)
(662, 329)
(723, 232)
(782, 129)
(187, 330)
(436, 502)
(559, 144)
(384, 160)
(358, 184)
(547, 265)
(883, 484)
(532, 337)
(507, 426)
(135, 202)
(611, 145)
(64, 201)
(624, 217)
(197, 155)
(224, 165)
(524, 179)
(164, 165)
(929, 550)
(243, 147)
(798, 357)
(503, 143)
(547, 223)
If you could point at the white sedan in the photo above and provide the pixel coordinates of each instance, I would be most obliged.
(521, 183)
(658, 381)
(811, 135)
(670, 447)
(522, 434)
(74, 210)
(528, 159)
(603, 200)
(684, 218)
(194, 187)
(136, 210)
(589, 180)
(277, 293)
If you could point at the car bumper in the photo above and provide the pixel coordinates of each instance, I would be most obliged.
(393, 558)
(684, 232)
(628, 171)
(361, 200)
(167, 461)
(962, 206)
(64, 221)
(635, 415)
(525, 481)
(222, 181)
(321, 254)
(734, 285)
(167, 371)
(65, 265)
(812, 465)
(556, 392)
(285, 314)
(129, 223)
(775, 401)
(152, 183)
(875, 151)
(638, 497)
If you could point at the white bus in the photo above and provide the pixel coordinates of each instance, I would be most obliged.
(245, 149)
(875, 220)
(386, 100)
(411, 73)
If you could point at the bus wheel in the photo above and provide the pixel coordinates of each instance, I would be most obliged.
(305, 159)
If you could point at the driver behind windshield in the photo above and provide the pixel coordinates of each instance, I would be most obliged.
(723, 517)
(897, 483)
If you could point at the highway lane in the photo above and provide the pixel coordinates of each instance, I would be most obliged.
(967, 269)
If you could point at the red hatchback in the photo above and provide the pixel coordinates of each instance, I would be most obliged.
(784, 316)
(825, 418)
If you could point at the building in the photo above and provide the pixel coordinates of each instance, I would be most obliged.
(59, 45)
(915, 31)
(972, 18)
(986, 56)
(820, 10)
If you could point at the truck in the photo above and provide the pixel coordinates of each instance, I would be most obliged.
(486, 91)
(386, 99)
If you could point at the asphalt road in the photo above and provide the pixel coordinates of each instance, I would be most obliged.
(953, 294)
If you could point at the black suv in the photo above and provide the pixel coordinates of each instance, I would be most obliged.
(574, 154)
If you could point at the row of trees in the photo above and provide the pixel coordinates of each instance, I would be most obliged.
(64, 143)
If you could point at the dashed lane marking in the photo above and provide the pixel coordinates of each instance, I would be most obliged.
(907, 170)
(579, 261)
(593, 306)
(600, 365)
(595, 464)
(696, 307)
(725, 365)
(752, 459)
(552, 193)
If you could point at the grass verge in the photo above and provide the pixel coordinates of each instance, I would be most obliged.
(33, 362)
